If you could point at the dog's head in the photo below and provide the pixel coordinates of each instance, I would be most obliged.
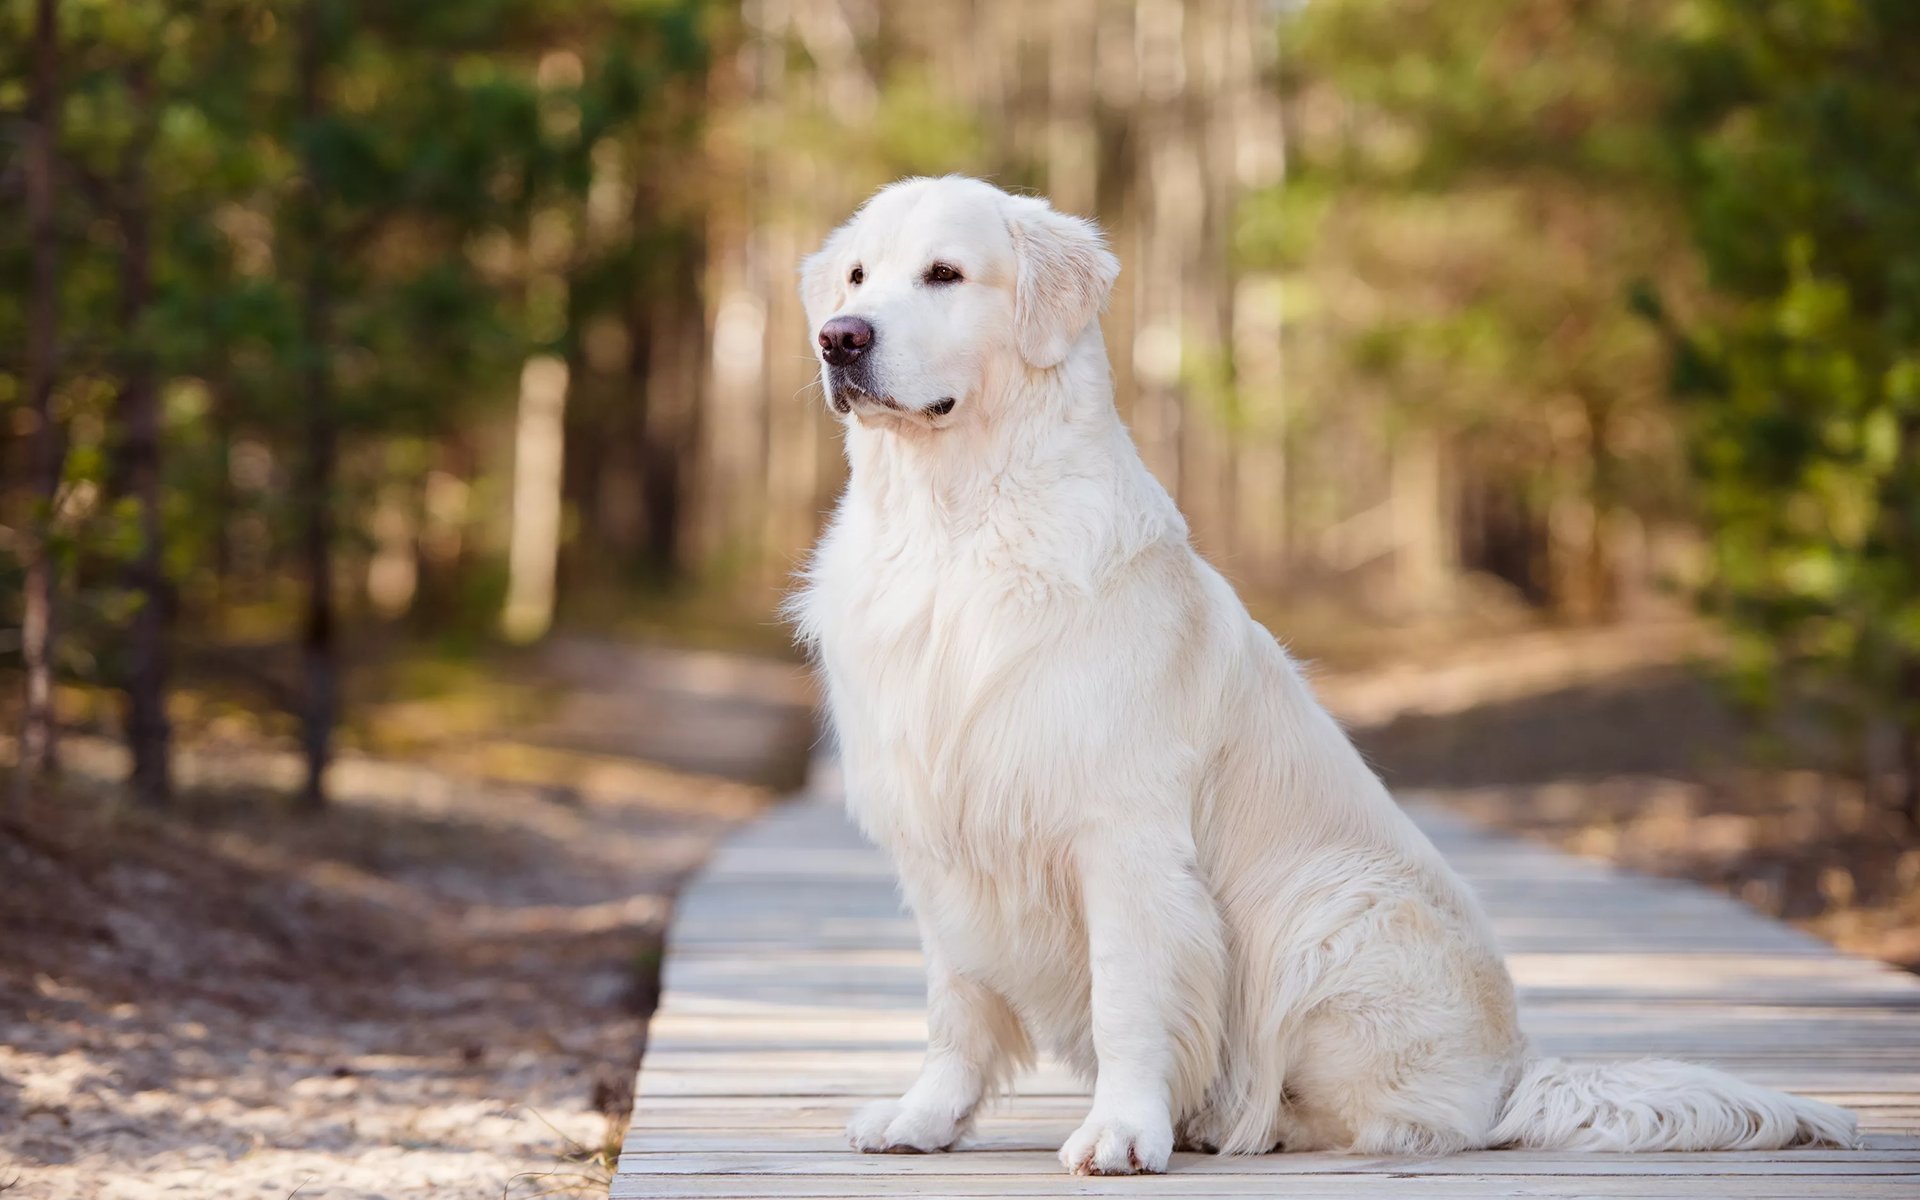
(935, 283)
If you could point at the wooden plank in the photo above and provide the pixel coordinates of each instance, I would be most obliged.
(1001, 1163)
(794, 993)
(1292, 1187)
(1007, 1147)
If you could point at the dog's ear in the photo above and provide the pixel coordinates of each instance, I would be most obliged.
(821, 281)
(1065, 275)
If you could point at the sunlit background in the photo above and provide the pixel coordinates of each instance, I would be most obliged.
(408, 427)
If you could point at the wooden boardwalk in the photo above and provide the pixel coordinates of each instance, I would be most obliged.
(793, 994)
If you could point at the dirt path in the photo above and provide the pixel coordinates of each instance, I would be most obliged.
(1614, 743)
(437, 989)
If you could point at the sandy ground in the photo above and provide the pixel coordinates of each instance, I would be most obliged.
(437, 989)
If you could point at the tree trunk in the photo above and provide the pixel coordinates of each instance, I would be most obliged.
(1602, 601)
(658, 449)
(533, 550)
(680, 442)
(658, 464)
(39, 733)
(1901, 532)
(221, 415)
(320, 707)
(583, 470)
(1908, 731)
(148, 733)
(318, 652)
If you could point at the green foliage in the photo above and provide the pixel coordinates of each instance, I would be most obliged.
(1517, 186)
(1469, 204)
(437, 183)
(1796, 127)
(1492, 210)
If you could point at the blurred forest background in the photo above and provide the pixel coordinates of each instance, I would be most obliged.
(1548, 369)
(327, 320)
(334, 326)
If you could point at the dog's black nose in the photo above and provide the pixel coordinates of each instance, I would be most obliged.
(844, 339)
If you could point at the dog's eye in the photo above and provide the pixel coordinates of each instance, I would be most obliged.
(942, 273)
(859, 274)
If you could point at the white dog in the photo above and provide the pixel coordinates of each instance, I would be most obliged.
(1129, 833)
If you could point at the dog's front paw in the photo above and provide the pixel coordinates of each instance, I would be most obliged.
(1119, 1145)
(889, 1127)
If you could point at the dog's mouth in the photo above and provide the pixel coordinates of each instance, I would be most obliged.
(848, 395)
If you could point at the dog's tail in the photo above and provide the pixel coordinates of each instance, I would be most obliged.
(1658, 1104)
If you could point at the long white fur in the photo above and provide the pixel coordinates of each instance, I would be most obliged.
(1129, 833)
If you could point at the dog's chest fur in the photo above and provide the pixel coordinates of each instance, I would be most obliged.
(927, 648)
(952, 726)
